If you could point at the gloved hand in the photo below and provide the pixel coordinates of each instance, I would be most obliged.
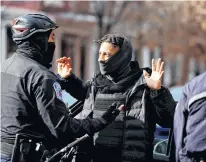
(97, 124)
(112, 113)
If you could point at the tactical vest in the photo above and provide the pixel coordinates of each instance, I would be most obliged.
(109, 140)
(116, 141)
(130, 136)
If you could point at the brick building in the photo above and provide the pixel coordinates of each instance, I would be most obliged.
(73, 37)
(79, 28)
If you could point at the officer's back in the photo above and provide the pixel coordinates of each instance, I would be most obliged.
(17, 74)
(20, 73)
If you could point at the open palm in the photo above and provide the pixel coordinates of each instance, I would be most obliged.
(155, 80)
(64, 67)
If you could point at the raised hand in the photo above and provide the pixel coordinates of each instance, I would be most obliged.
(155, 80)
(64, 66)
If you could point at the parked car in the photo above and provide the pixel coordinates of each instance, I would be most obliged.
(160, 134)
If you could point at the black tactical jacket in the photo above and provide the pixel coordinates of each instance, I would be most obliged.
(31, 103)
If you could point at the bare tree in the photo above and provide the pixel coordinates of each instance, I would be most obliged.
(108, 14)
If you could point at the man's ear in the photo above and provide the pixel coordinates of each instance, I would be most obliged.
(116, 47)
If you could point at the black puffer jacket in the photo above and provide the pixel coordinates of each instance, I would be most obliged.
(144, 109)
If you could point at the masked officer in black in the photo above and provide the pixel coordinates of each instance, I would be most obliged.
(31, 103)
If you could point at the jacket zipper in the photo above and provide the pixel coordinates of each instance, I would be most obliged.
(123, 136)
(125, 115)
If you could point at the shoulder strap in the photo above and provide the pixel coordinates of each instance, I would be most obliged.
(196, 98)
(93, 90)
(133, 90)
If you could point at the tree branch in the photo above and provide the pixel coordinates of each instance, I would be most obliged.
(116, 18)
(99, 12)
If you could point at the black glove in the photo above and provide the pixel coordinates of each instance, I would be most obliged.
(97, 124)
(111, 113)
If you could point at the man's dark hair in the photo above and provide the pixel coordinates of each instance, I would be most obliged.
(115, 39)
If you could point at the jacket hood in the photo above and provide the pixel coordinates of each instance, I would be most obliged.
(118, 65)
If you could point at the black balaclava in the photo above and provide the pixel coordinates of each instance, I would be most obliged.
(118, 66)
(38, 48)
(49, 54)
(45, 47)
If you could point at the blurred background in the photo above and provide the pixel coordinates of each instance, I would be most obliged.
(174, 31)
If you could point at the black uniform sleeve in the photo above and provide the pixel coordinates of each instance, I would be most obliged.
(75, 86)
(165, 106)
(55, 116)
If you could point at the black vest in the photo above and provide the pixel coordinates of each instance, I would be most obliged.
(126, 134)
(129, 138)
(109, 140)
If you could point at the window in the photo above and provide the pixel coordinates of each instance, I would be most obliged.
(192, 68)
(67, 46)
(92, 7)
(146, 57)
(58, 3)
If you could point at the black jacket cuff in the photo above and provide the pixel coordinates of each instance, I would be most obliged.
(155, 93)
